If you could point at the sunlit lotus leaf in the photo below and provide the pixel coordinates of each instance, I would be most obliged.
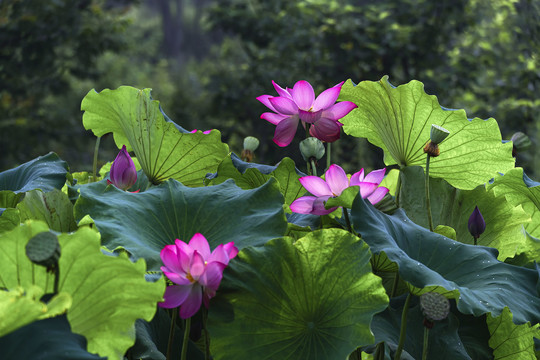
(46, 173)
(452, 207)
(53, 207)
(511, 341)
(99, 285)
(399, 119)
(309, 299)
(161, 214)
(431, 262)
(162, 150)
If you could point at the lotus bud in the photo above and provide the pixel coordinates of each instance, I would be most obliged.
(436, 135)
(521, 143)
(44, 249)
(311, 148)
(123, 173)
(250, 145)
(434, 307)
(477, 225)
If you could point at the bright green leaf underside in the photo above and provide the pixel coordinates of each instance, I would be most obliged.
(162, 150)
(311, 299)
(399, 119)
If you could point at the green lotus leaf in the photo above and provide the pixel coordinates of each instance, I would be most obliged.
(451, 207)
(518, 192)
(399, 119)
(46, 172)
(9, 199)
(431, 262)
(9, 219)
(285, 173)
(511, 341)
(158, 216)
(345, 199)
(162, 150)
(528, 255)
(46, 339)
(109, 293)
(309, 299)
(19, 307)
(53, 207)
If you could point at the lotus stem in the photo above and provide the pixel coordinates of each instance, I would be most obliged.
(206, 335)
(313, 167)
(395, 285)
(403, 329)
(426, 342)
(328, 155)
(94, 165)
(171, 333)
(428, 201)
(308, 167)
(56, 278)
(398, 188)
(186, 338)
(348, 221)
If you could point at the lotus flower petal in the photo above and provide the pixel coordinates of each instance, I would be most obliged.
(315, 185)
(303, 95)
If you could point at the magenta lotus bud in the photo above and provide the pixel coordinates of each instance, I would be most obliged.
(477, 225)
(123, 173)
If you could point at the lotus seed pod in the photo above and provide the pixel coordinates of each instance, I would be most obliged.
(521, 141)
(434, 306)
(438, 134)
(43, 249)
(251, 143)
(311, 148)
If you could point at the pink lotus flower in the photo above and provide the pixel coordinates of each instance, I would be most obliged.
(336, 182)
(299, 103)
(123, 173)
(196, 272)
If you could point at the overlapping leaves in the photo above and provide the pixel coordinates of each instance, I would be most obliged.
(398, 120)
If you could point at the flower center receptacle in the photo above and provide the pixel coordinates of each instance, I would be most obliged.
(190, 278)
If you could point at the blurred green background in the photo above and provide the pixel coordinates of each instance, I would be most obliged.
(207, 61)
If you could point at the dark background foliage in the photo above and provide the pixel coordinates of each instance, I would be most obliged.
(208, 60)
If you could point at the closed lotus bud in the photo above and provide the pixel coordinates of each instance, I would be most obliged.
(434, 306)
(250, 145)
(43, 249)
(123, 173)
(521, 143)
(477, 225)
(311, 148)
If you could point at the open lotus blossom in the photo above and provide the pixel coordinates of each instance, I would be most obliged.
(123, 173)
(337, 181)
(300, 104)
(195, 270)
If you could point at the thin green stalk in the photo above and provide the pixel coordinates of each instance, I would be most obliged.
(56, 278)
(428, 201)
(398, 187)
(348, 221)
(328, 155)
(171, 333)
(94, 165)
(426, 342)
(395, 285)
(186, 338)
(308, 167)
(206, 335)
(403, 329)
(313, 167)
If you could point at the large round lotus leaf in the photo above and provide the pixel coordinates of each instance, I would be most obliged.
(52, 207)
(109, 293)
(399, 119)
(162, 150)
(145, 222)
(431, 262)
(309, 299)
(452, 207)
(46, 172)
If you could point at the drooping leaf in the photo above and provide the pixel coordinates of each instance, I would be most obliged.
(108, 293)
(46, 339)
(399, 119)
(311, 299)
(520, 190)
(46, 173)
(19, 307)
(431, 262)
(511, 341)
(158, 216)
(53, 207)
(162, 150)
(452, 207)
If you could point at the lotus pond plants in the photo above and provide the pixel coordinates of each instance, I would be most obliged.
(180, 249)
